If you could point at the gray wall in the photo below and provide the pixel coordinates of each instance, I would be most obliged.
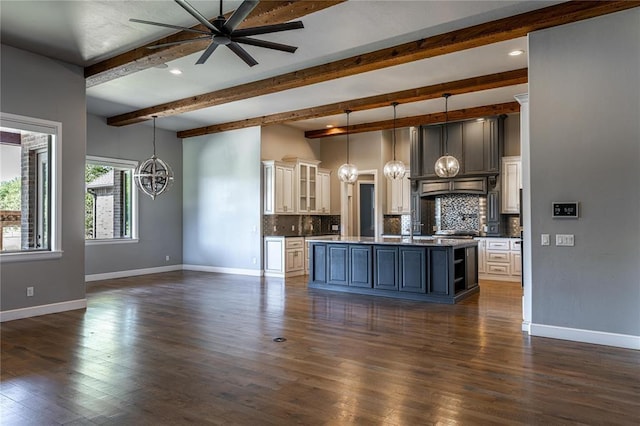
(222, 205)
(159, 220)
(39, 87)
(584, 92)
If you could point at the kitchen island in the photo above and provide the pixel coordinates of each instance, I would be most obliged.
(433, 270)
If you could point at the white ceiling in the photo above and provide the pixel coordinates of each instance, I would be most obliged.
(85, 32)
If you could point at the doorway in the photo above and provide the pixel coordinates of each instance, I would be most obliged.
(366, 208)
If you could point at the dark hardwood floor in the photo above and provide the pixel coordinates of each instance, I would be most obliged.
(197, 348)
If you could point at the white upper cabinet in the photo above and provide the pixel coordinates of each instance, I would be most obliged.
(399, 195)
(324, 191)
(278, 187)
(511, 184)
(307, 179)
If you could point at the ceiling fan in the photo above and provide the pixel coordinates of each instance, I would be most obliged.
(223, 32)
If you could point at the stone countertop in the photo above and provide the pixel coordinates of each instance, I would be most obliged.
(422, 241)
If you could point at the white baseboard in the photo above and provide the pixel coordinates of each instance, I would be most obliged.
(131, 273)
(587, 336)
(526, 326)
(34, 311)
(235, 271)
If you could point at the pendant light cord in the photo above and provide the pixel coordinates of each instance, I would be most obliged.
(154, 135)
(348, 112)
(395, 104)
(446, 121)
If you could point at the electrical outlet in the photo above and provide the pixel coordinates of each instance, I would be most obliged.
(565, 240)
(167, 258)
(29, 291)
(275, 228)
(254, 260)
(293, 227)
(335, 227)
(544, 240)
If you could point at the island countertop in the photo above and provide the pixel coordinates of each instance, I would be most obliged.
(415, 241)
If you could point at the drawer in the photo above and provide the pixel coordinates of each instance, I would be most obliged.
(498, 245)
(500, 257)
(498, 269)
(296, 242)
(515, 245)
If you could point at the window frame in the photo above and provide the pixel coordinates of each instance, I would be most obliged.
(119, 164)
(54, 129)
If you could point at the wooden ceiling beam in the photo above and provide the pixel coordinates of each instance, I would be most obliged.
(454, 41)
(418, 120)
(141, 58)
(468, 85)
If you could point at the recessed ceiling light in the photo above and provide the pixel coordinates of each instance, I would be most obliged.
(175, 71)
(516, 52)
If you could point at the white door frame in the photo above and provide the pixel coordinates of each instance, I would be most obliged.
(347, 203)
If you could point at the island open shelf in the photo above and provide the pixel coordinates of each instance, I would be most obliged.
(438, 270)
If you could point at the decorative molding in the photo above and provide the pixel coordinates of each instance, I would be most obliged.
(222, 270)
(34, 311)
(131, 273)
(587, 336)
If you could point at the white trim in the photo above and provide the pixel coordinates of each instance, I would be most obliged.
(587, 336)
(526, 326)
(131, 273)
(222, 270)
(28, 256)
(104, 241)
(34, 311)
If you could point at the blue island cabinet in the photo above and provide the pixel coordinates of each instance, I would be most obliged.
(444, 273)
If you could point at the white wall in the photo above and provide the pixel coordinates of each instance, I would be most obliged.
(159, 220)
(39, 87)
(584, 95)
(222, 201)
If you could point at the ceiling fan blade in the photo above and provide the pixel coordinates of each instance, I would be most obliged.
(266, 29)
(175, 27)
(264, 43)
(243, 54)
(159, 46)
(193, 12)
(207, 52)
(240, 14)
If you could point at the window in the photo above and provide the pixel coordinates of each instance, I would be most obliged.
(29, 187)
(110, 201)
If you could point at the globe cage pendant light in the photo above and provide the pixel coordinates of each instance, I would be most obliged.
(447, 166)
(348, 173)
(153, 176)
(394, 169)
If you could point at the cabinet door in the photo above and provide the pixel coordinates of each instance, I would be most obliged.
(385, 276)
(273, 254)
(294, 260)
(516, 264)
(416, 152)
(431, 149)
(324, 192)
(361, 270)
(337, 264)
(452, 144)
(412, 269)
(283, 189)
(399, 195)
(511, 182)
(318, 263)
(473, 136)
(493, 138)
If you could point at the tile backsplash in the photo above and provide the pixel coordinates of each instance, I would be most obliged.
(458, 211)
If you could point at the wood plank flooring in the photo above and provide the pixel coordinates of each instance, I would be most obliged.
(197, 348)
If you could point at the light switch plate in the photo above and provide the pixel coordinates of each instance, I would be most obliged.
(544, 240)
(565, 240)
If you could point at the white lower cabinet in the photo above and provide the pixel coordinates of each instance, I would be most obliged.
(284, 256)
(499, 259)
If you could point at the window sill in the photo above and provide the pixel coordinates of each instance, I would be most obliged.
(111, 241)
(30, 256)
